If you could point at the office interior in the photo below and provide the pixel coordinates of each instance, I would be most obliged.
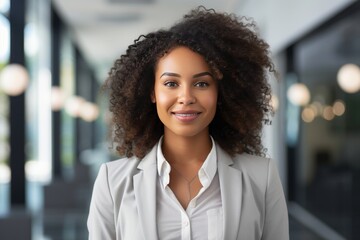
(54, 57)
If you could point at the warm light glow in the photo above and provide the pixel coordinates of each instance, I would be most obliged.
(314, 109)
(348, 78)
(298, 94)
(274, 102)
(5, 173)
(37, 171)
(317, 107)
(57, 98)
(14, 79)
(308, 114)
(339, 108)
(328, 113)
(89, 112)
(73, 106)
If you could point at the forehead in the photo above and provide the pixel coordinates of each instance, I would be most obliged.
(181, 59)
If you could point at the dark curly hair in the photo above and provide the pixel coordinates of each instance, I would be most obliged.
(231, 46)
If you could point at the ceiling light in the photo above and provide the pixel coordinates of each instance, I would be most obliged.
(89, 112)
(339, 107)
(57, 98)
(328, 113)
(348, 78)
(308, 114)
(298, 94)
(14, 79)
(274, 102)
(73, 106)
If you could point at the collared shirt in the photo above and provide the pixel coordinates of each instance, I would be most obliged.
(203, 218)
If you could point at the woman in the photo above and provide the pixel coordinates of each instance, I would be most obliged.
(188, 106)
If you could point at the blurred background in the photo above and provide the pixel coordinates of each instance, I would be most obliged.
(55, 55)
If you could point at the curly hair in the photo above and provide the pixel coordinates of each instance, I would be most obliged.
(231, 46)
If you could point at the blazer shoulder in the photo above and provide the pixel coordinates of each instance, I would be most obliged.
(122, 164)
(120, 171)
(251, 162)
(255, 167)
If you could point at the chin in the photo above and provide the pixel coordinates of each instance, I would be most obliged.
(188, 132)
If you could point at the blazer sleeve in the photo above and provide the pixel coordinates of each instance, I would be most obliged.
(276, 225)
(101, 223)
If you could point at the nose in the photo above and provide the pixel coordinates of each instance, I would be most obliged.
(186, 96)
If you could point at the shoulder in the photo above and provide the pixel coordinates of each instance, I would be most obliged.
(251, 163)
(122, 165)
(123, 170)
(259, 170)
(118, 170)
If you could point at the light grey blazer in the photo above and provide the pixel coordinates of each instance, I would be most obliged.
(123, 204)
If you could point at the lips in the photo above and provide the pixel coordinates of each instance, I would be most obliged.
(187, 116)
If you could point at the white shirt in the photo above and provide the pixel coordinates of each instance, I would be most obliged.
(203, 218)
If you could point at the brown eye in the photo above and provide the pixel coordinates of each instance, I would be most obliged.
(201, 84)
(170, 84)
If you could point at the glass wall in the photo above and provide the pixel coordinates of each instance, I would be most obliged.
(324, 129)
(38, 114)
(4, 108)
(67, 84)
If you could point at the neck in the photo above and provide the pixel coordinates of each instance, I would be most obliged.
(181, 150)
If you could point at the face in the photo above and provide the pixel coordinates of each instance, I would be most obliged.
(185, 93)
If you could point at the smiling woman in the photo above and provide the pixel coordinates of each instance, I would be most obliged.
(185, 93)
(188, 107)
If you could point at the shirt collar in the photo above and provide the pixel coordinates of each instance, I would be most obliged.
(206, 172)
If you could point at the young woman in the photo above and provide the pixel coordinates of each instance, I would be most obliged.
(188, 106)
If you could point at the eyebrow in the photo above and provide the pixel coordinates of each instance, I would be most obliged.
(194, 76)
(203, 74)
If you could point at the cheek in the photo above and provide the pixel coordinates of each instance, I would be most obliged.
(211, 101)
(163, 99)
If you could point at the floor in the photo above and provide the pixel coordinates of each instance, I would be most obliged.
(299, 232)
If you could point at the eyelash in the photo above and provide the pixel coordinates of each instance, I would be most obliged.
(203, 84)
(172, 84)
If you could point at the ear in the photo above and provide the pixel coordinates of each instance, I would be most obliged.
(152, 97)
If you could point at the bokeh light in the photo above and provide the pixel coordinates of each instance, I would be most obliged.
(348, 78)
(308, 114)
(328, 113)
(14, 79)
(298, 94)
(57, 98)
(73, 105)
(89, 112)
(274, 102)
(339, 107)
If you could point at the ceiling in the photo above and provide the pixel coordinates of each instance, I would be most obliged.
(102, 29)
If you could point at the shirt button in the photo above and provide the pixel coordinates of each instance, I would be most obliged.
(186, 223)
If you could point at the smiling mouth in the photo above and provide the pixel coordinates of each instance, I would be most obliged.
(186, 117)
(186, 114)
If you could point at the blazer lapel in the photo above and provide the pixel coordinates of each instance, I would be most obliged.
(145, 194)
(231, 193)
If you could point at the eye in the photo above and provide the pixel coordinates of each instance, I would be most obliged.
(201, 84)
(170, 84)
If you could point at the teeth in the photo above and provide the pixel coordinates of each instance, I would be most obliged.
(186, 114)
